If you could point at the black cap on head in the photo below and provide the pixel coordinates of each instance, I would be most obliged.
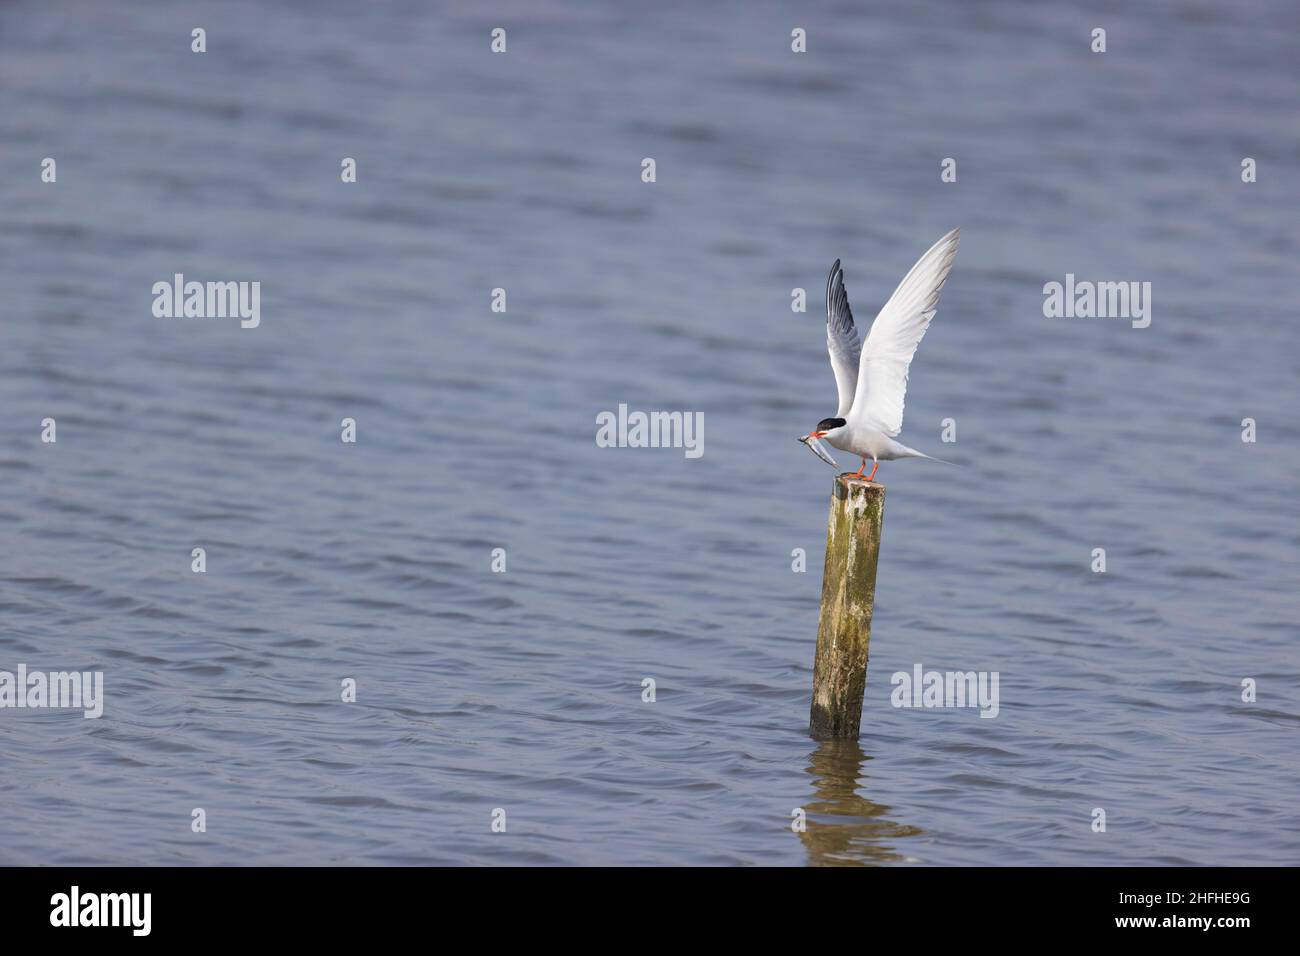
(826, 424)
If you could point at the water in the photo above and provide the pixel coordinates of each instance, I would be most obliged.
(522, 690)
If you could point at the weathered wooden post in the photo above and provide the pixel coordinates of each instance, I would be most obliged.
(848, 596)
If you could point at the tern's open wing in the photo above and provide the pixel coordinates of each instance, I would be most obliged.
(894, 336)
(842, 340)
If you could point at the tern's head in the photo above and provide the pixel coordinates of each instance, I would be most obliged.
(831, 427)
(826, 428)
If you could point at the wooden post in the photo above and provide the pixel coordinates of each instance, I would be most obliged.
(848, 596)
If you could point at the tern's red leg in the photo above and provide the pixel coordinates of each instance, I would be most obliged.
(874, 466)
(862, 469)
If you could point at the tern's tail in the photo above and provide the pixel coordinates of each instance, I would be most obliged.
(902, 451)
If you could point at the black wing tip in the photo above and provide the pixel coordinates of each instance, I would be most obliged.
(838, 313)
(836, 275)
(834, 279)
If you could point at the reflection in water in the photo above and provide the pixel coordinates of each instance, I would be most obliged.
(844, 828)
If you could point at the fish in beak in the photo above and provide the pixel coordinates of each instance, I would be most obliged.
(813, 442)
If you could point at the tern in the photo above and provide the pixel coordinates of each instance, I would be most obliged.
(871, 377)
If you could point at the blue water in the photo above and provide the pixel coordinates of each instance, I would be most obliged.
(522, 690)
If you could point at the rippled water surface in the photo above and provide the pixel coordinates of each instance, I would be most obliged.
(522, 690)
